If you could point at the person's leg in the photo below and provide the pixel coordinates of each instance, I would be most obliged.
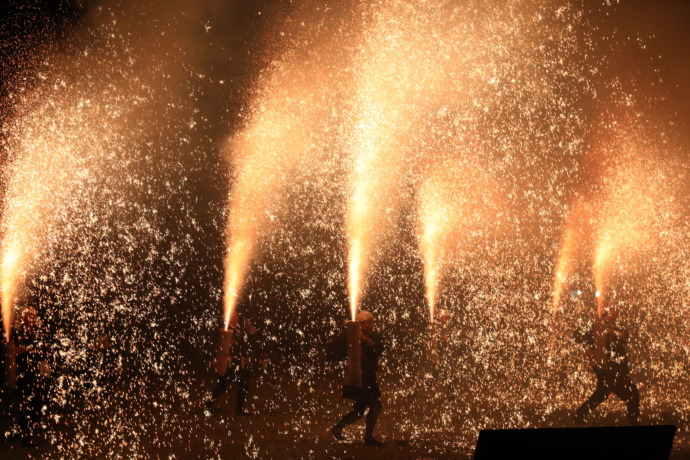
(221, 386)
(242, 388)
(358, 408)
(601, 394)
(375, 408)
(627, 391)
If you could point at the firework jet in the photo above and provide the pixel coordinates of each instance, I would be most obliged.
(276, 137)
(284, 133)
(400, 78)
(634, 198)
(268, 148)
(376, 164)
(458, 208)
(572, 238)
(58, 148)
(435, 225)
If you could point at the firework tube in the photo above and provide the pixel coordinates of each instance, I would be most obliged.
(223, 356)
(9, 360)
(353, 372)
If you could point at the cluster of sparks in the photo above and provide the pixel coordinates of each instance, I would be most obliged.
(407, 153)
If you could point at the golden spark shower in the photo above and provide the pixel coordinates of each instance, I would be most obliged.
(198, 198)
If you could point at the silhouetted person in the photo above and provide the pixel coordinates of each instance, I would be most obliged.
(369, 393)
(32, 374)
(243, 355)
(613, 375)
(441, 363)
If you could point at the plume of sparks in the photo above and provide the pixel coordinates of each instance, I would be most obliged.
(436, 224)
(288, 116)
(266, 150)
(574, 233)
(458, 207)
(624, 225)
(394, 77)
(54, 156)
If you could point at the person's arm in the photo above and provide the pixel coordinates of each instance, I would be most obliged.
(336, 348)
(619, 333)
(366, 340)
(376, 343)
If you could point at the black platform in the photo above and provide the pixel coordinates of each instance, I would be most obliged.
(609, 443)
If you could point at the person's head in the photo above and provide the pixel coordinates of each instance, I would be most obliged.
(366, 320)
(442, 316)
(610, 313)
(28, 318)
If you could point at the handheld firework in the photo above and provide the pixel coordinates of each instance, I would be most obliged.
(436, 327)
(353, 371)
(227, 338)
(9, 361)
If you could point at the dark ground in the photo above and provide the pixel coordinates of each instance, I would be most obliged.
(289, 421)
